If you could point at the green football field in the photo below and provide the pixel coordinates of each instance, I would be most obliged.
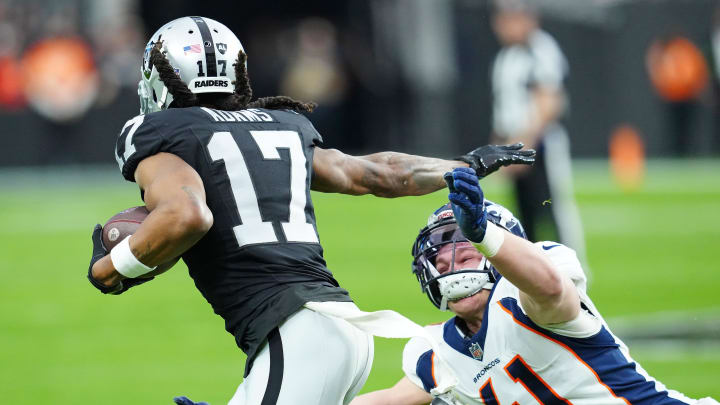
(653, 255)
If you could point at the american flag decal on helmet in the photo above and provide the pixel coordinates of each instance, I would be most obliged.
(193, 49)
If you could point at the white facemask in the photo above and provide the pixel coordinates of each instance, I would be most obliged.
(459, 284)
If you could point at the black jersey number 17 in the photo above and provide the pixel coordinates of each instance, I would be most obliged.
(253, 229)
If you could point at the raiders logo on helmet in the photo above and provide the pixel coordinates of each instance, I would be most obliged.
(221, 47)
(205, 83)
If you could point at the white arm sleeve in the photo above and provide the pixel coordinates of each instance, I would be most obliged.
(566, 262)
(414, 348)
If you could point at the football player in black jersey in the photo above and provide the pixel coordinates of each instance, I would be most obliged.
(227, 182)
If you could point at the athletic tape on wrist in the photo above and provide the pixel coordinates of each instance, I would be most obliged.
(125, 261)
(494, 238)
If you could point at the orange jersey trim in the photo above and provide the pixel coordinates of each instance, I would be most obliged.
(432, 368)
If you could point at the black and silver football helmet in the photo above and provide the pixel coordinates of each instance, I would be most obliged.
(455, 284)
(201, 50)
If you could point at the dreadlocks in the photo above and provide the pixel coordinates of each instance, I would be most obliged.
(238, 100)
(182, 96)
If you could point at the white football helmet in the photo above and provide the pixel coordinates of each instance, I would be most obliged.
(201, 50)
(442, 230)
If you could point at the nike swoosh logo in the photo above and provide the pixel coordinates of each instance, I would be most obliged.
(549, 247)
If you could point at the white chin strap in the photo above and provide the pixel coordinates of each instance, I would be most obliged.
(461, 285)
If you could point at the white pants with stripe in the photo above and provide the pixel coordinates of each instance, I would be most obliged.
(311, 358)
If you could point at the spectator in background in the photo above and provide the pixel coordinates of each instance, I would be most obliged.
(679, 74)
(50, 46)
(315, 72)
(61, 78)
(11, 95)
(116, 39)
(528, 102)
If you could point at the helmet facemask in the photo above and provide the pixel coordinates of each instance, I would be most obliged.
(455, 283)
(153, 94)
(441, 231)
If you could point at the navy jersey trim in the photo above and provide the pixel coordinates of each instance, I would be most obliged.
(462, 345)
(424, 370)
(601, 354)
(487, 393)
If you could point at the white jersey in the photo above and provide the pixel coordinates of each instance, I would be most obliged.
(513, 360)
(517, 70)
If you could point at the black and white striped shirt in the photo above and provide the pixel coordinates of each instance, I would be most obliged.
(517, 71)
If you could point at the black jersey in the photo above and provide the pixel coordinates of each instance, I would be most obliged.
(261, 260)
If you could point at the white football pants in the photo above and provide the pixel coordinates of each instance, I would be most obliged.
(310, 359)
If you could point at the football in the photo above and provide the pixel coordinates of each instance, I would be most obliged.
(124, 224)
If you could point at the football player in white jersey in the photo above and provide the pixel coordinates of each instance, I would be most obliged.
(525, 331)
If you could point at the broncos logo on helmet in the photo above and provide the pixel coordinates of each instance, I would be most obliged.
(442, 230)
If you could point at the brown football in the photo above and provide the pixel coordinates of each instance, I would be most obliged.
(124, 224)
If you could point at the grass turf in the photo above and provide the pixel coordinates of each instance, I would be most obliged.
(651, 251)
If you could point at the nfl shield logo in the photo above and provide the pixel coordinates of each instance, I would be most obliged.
(476, 351)
(221, 47)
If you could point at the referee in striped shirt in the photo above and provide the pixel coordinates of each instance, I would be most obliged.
(528, 102)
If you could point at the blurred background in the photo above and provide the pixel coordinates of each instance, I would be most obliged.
(410, 75)
(641, 107)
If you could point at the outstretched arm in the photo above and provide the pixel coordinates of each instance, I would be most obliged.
(393, 174)
(384, 174)
(547, 296)
(179, 217)
(403, 393)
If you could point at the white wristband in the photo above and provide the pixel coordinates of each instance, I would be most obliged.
(125, 261)
(494, 238)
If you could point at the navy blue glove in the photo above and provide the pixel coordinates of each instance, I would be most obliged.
(187, 401)
(467, 201)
